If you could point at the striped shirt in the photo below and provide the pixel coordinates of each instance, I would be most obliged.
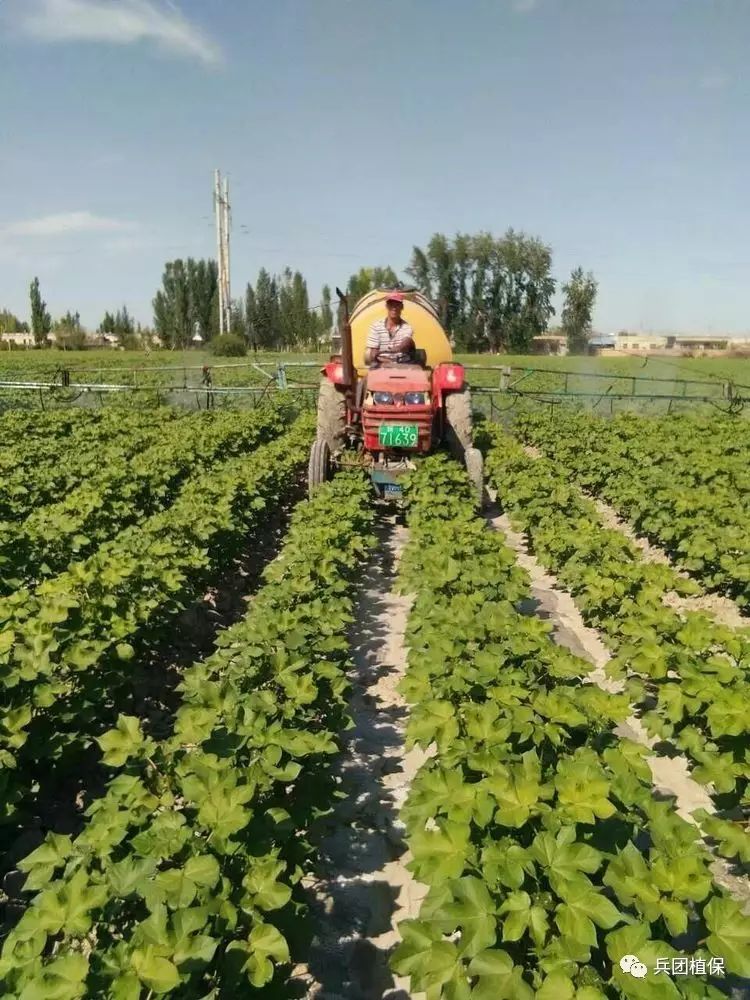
(384, 341)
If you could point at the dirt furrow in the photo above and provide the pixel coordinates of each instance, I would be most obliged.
(364, 889)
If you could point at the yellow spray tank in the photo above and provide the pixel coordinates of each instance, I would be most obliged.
(418, 312)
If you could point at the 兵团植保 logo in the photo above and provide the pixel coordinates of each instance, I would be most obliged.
(673, 966)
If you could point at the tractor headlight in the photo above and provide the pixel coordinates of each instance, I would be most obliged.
(415, 398)
(383, 398)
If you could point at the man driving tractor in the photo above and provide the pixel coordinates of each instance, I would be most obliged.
(390, 339)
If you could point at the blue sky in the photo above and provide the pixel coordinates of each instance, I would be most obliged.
(616, 130)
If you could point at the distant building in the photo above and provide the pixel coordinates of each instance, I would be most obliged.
(639, 342)
(550, 343)
(25, 339)
(697, 343)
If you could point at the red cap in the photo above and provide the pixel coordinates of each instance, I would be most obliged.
(395, 297)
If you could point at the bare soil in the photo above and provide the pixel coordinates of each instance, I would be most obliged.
(363, 889)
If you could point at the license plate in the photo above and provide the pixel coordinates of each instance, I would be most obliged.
(398, 435)
(391, 489)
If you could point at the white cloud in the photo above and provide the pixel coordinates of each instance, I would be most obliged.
(65, 223)
(119, 22)
(713, 81)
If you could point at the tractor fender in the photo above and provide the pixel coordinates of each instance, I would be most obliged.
(448, 377)
(334, 371)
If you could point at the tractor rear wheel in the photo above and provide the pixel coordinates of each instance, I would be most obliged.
(331, 415)
(458, 422)
(319, 466)
(475, 469)
(459, 438)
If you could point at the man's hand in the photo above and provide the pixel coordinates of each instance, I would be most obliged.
(405, 345)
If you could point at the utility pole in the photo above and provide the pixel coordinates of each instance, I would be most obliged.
(223, 222)
(227, 227)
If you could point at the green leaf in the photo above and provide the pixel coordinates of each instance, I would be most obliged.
(474, 912)
(179, 890)
(432, 721)
(676, 916)
(440, 854)
(585, 906)
(730, 934)
(499, 979)
(412, 956)
(159, 974)
(124, 741)
(630, 876)
(517, 790)
(503, 864)
(203, 869)
(517, 906)
(685, 877)
(127, 987)
(267, 945)
(556, 987)
(563, 858)
(42, 862)
(126, 876)
(261, 882)
(582, 790)
(734, 842)
(69, 905)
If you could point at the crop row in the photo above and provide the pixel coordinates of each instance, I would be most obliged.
(37, 428)
(184, 875)
(683, 485)
(65, 646)
(35, 474)
(686, 674)
(534, 826)
(124, 488)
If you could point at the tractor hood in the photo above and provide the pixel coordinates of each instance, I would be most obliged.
(401, 378)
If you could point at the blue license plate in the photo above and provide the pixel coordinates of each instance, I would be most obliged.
(392, 489)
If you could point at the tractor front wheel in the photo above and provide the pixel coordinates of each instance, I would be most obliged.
(319, 466)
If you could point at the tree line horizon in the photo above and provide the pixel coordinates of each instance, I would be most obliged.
(491, 294)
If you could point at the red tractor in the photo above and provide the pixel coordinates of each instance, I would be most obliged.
(379, 418)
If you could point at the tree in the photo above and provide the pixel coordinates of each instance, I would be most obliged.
(203, 286)
(10, 323)
(266, 311)
(172, 314)
(369, 278)
(237, 320)
(580, 296)
(69, 335)
(188, 302)
(107, 325)
(490, 292)
(250, 318)
(69, 322)
(325, 316)
(297, 324)
(41, 321)
(229, 345)
(120, 325)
